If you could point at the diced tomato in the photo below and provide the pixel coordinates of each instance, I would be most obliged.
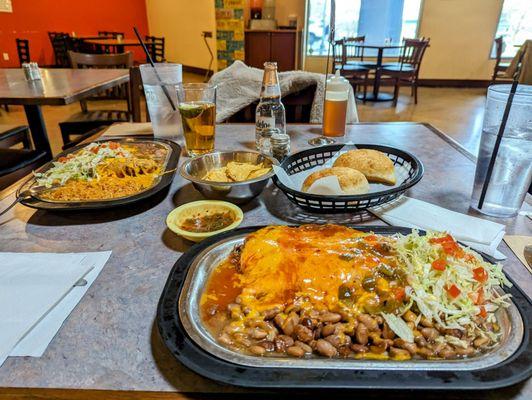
(371, 238)
(446, 238)
(113, 145)
(483, 312)
(439, 264)
(95, 149)
(62, 159)
(399, 294)
(480, 275)
(480, 296)
(453, 291)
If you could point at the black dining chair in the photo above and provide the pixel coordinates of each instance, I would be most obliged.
(110, 34)
(15, 163)
(86, 120)
(23, 51)
(156, 48)
(499, 69)
(60, 43)
(406, 70)
(349, 59)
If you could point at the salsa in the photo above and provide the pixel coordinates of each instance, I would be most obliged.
(208, 222)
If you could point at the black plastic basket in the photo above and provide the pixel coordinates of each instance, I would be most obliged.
(317, 203)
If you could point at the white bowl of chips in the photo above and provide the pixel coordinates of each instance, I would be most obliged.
(235, 176)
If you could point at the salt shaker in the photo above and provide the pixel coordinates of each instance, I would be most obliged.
(35, 71)
(26, 67)
(280, 143)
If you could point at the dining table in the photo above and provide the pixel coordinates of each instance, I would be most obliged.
(58, 86)
(110, 348)
(380, 48)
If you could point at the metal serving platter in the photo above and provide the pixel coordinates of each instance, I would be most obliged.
(173, 151)
(183, 331)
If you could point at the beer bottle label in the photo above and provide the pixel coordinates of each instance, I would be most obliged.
(265, 122)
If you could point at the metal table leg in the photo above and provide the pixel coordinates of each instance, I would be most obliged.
(38, 129)
(375, 96)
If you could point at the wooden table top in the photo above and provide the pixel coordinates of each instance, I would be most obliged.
(58, 86)
(110, 341)
(116, 42)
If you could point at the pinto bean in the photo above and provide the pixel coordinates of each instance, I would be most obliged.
(370, 323)
(224, 338)
(339, 340)
(361, 334)
(426, 322)
(234, 310)
(257, 333)
(430, 334)
(271, 313)
(307, 322)
(403, 344)
(331, 317)
(344, 351)
(295, 351)
(421, 341)
(387, 333)
(399, 353)
(409, 316)
(281, 342)
(303, 333)
(481, 341)
(447, 353)
(290, 323)
(331, 329)
(379, 319)
(306, 348)
(464, 352)
(269, 346)
(359, 348)
(425, 352)
(325, 348)
(279, 320)
(257, 350)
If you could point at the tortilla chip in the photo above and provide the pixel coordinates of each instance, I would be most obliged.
(217, 175)
(240, 171)
(259, 172)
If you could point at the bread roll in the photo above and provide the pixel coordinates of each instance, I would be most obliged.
(375, 165)
(351, 181)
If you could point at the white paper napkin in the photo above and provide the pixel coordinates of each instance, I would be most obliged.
(31, 284)
(477, 233)
(129, 129)
(34, 344)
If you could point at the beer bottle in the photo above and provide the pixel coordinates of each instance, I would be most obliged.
(270, 113)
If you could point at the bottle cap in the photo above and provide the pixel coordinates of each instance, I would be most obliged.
(337, 83)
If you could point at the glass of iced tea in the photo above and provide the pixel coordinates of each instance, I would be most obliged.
(197, 106)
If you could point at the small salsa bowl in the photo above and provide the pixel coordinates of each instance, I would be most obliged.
(236, 192)
(199, 209)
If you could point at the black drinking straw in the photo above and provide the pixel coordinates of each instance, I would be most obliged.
(500, 134)
(150, 60)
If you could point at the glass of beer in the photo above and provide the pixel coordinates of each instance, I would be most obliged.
(197, 106)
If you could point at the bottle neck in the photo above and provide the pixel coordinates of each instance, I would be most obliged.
(270, 85)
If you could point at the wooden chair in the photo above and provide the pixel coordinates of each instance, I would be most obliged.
(59, 41)
(499, 70)
(297, 105)
(86, 120)
(23, 51)
(406, 70)
(12, 135)
(16, 163)
(156, 48)
(349, 59)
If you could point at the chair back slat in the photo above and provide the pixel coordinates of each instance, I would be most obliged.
(352, 49)
(84, 60)
(413, 51)
(156, 48)
(23, 50)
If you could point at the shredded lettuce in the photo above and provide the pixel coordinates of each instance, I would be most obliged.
(399, 326)
(81, 165)
(428, 287)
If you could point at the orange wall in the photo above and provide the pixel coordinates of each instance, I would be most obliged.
(32, 19)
